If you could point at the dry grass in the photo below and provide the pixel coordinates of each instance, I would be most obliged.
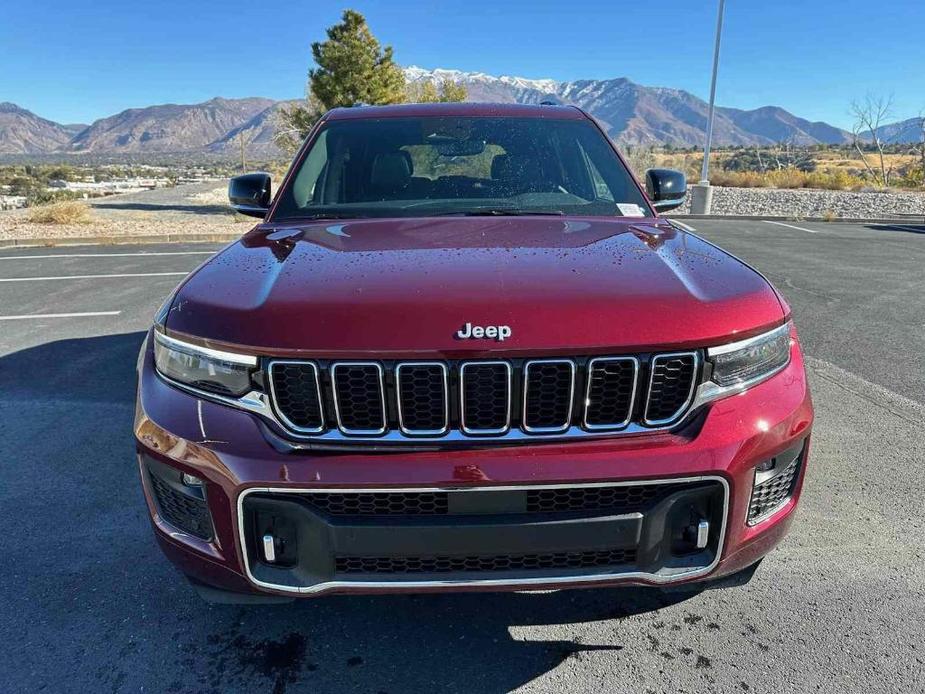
(69, 212)
(839, 169)
(789, 178)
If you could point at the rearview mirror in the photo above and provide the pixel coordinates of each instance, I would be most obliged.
(666, 188)
(250, 194)
(460, 148)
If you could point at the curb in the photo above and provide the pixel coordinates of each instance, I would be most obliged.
(223, 237)
(910, 219)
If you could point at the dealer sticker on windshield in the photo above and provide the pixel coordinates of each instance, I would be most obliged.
(630, 209)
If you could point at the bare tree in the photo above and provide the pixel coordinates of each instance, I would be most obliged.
(761, 165)
(918, 144)
(869, 116)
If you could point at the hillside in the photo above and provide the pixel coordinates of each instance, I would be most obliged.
(23, 132)
(169, 127)
(638, 115)
(633, 114)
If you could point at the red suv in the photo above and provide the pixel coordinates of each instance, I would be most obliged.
(462, 351)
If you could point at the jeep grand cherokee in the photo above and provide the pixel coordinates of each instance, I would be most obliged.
(463, 351)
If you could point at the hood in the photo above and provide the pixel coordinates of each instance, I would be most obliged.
(405, 287)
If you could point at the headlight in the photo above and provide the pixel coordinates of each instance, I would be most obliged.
(749, 361)
(212, 370)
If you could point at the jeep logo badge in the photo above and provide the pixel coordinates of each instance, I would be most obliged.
(478, 332)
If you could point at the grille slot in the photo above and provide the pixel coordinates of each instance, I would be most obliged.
(189, 514)
(484, 563)
(610, 393)
(549, 390)
(296, 390)
(485, 393)
(671, 387)
(771, 494)
(423, 397)
(359, 397)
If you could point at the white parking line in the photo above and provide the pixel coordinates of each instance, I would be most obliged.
(94, 277)
(101, 255)
(790, 226)
(86, 314)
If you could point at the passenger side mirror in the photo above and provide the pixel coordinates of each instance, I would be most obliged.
(250, 194)
(666, 188)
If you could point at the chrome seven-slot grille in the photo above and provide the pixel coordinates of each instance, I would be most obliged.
(488, 398)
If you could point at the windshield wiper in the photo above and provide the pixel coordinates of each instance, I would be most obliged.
(501, 212)
(323, 215)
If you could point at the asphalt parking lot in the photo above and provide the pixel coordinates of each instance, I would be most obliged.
(87, 602)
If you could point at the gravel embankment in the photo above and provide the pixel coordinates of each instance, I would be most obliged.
(203, 209)
(773, 202)
(189, 209)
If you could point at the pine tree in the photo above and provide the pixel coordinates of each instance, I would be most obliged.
(352, 68)
(426, 92)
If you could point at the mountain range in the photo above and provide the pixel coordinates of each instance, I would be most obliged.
(632, 114)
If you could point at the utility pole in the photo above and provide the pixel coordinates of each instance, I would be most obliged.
(702, 194)
(241, 144)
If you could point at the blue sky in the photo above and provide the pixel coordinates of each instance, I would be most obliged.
(76, 61)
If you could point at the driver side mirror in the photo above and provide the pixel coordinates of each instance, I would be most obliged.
(250, 194)
(666, 188)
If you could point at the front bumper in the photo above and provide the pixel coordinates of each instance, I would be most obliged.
(487, 537)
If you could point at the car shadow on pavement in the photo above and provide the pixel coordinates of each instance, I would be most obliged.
(89, 585)
(224, 210)
(910, 228)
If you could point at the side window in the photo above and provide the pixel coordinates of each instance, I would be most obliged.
(305, 187)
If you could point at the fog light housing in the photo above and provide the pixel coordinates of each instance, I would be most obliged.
(178, 503)
(774, 483)
(191, 480)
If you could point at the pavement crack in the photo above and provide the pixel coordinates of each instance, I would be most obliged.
(789, 283)
(867, 391)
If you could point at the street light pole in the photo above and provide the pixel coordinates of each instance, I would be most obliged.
(702, 195)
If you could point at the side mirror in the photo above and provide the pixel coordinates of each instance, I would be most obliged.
(250, 194)
(666, 188)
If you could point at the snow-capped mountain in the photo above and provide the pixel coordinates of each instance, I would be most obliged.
(638, 115)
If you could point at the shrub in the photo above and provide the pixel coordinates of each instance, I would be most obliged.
(44, 197)
(788, 178)
(70, 212)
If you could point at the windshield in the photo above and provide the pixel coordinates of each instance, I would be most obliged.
(431, 166)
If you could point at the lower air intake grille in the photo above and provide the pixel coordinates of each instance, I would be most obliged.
(671, 386)
(616, 499)
(186, 513)
(611, 499)
(381, 503)
(479, 563)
